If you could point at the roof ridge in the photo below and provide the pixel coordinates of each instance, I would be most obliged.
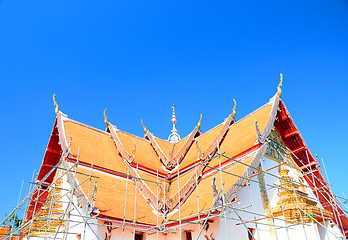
(131, 134)
(85, 125)
(269, 103)
(101, 131)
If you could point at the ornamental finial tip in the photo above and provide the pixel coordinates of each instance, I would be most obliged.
(199, 122)
(142, 123)
(279, 92)
(173, 115)
(106, 118)
(174, 137)
(234, 108)
(55, 104)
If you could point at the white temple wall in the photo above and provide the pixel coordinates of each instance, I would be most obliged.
(248, 208)
(307, 231)
(76, 223)
(329, 231)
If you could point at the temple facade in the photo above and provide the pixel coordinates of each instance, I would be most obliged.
(254, 178)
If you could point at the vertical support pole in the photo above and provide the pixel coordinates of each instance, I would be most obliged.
(89, 190)
(32, 215)
(270, 211)
(177, 164)
(28, 198)
(70, 198)
(20, 193)
(125, 206)
(157, 199)
(251, 199)
(206, 219)
(299, 209)
(28, 201)
(48, 222)
(135, 200)
(198, 210)
(222, 189)
(281, 204)
(164, 200)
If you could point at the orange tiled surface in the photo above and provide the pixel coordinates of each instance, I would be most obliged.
(95, 146)
(111, 197)
(206, 197)
(98, 147)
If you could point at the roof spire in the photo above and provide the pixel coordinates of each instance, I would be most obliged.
(279, 92)
(106, 118)
(174, 137)
(173, 115)
(233, 114)
(199, 123)
(55, 104)
(234, 108)
(142, 123)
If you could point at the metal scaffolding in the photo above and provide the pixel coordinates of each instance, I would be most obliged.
(57, 208)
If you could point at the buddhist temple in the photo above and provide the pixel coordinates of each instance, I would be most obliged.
(252, 178)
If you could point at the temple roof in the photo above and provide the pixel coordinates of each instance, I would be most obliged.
(155, 175)
(150, 174)
(97, 146)
(112, 154)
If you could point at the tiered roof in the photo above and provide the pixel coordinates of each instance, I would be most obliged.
(168, 175)
(114, 154)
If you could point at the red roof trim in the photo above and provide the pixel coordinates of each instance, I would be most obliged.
(305, 160)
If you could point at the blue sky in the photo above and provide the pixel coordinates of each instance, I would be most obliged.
(137, 58)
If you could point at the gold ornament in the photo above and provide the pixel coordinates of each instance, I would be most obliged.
(106, 118)
(145, 130)
(234, 108)
(279, 92)
(199, 122)
(55, 104)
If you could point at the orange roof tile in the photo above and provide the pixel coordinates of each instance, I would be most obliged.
(240, 137)
(4, 231)
(166, 146)
(242, 134)
(144, 154)
(111, 197)
(206, 197)
(95, 146)
(98, 147)
(203, 142)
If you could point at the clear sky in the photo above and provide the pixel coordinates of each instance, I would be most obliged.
(137, 58)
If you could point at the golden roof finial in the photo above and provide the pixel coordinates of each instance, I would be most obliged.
(279, 92)
(234, 108)
(145, 130)
(173, 115)
(106, 118)
(199, 122)
(55, 104)
(174, 137)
